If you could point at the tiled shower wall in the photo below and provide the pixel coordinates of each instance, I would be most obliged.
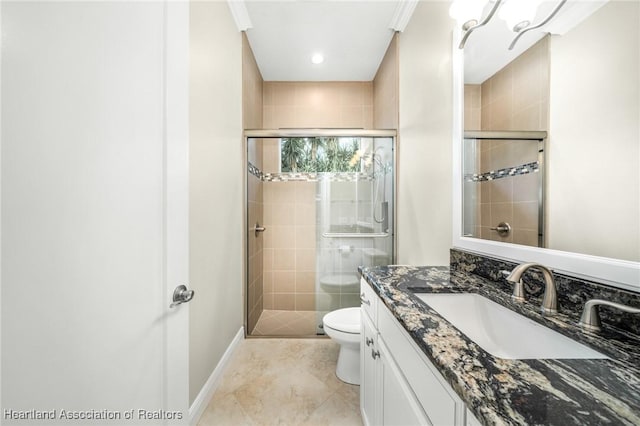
(385, 89)
(289, 245)
(255, 244)
(515, 98)
(318, 105)
(289, 207)
(252, 119)
(290, 239)
(472, 106)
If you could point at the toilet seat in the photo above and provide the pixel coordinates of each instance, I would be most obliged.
(345, 320)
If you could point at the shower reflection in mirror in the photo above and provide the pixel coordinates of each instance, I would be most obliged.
(503, 190)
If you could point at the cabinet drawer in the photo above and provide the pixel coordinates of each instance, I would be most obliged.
(436, 397)
(369, 301)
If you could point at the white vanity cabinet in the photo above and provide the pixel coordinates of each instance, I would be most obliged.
(385, 397)
(398, 384)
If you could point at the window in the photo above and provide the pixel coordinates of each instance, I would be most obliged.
(318, 155)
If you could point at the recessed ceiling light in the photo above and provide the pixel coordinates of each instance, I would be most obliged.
(317, 58)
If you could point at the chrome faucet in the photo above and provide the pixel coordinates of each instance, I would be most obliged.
(550, 298)
(590, 319)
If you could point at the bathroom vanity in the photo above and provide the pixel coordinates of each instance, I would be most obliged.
(417, 368)
(400, 385)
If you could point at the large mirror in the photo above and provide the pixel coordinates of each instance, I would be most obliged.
(580, 85)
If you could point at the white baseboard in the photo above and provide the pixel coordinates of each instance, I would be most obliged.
(203, 398)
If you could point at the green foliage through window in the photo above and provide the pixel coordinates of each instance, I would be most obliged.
(319, 155)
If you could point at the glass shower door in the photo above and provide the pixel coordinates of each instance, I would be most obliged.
(354, 225)
(317, 209)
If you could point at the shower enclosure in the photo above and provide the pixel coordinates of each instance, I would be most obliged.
(503, 186)
(319, 204)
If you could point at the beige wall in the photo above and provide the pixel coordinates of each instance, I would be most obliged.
(215, 180)
(318, 105)
(594, 179)
(385, 89)
(252, 87)
(517, 96)
(424, 173)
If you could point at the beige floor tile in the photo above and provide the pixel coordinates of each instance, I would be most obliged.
(335, 411)
(286, 323)
(282, 398)
(223, 410)
(283, 382)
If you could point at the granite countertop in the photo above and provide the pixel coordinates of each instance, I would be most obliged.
(509, 391)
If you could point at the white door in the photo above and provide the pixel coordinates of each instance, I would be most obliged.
(94, 169)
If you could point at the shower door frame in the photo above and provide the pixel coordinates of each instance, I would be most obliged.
(302, 133)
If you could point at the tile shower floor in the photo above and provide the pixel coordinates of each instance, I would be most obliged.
(283, 382)
(286, 323)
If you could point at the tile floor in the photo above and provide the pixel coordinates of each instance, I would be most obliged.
(287, 323)
(283, 382)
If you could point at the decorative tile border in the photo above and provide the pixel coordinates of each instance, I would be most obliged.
(316, 177)
(308, 176)
(254, 170)
(502, 173)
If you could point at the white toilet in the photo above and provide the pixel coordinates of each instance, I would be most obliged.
(343, 326)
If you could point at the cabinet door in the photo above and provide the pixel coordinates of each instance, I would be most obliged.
(399, 404)
(438, 400)
(368, 374)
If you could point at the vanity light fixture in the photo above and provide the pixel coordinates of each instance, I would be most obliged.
(468, 12)
(518, 14)
(524, 29)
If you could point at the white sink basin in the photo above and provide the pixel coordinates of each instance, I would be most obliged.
(502, 332)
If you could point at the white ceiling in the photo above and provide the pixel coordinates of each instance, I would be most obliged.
(353, 36)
